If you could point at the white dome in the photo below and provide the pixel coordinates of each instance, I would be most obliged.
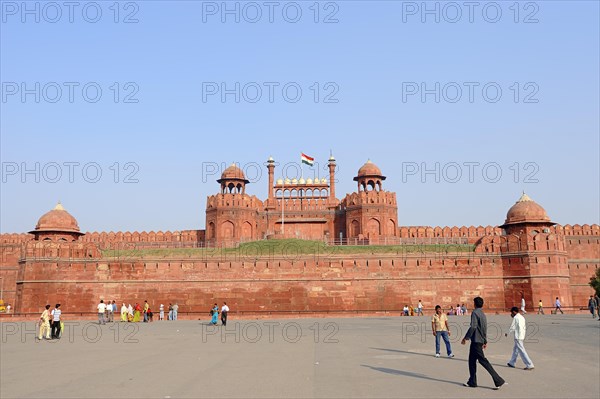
(287, 181)
(279, 181)
(323, 181)
(294, 181)
(301, 181)
(309, 181)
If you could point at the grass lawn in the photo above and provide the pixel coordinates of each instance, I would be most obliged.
(288, 247)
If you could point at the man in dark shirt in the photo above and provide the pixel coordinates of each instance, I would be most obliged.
(477, 334)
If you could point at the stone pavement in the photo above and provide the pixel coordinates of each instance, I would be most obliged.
(300, 358)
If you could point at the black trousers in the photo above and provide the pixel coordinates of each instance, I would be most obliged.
(476, 354)
(55, 330)
(224, 318)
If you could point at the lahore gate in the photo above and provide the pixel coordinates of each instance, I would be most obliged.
(528, 254)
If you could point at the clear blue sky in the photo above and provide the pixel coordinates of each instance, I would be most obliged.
(368, 61)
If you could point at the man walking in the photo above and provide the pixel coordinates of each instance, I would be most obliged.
(45, 324)
(592, 306)
(175, 310)
(518, 327)
(109, 310)
(477, 334)
(419, 308)
(439, 326)
(224, 311)
(557, 304)
(56, 322)
(101, 311)
(523, 304)
(114, 310)
(540, 307)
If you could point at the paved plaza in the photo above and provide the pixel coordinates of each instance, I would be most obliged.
(383, 357)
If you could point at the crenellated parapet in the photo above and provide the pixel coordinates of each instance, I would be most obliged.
(472, 233)
(15, 238)
(143, 236)
(539, 242)
(233, 201)
(578, 230)
(368, 198)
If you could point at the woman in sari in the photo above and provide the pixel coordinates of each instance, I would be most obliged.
(215, 314)
(124, 312)
(130, 313)
(137, 311)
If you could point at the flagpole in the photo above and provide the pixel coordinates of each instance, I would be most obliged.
(282, 208)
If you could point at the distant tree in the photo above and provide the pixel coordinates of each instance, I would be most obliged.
(595, 282)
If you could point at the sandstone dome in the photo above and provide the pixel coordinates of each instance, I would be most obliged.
(233, 172)
(369, 169)
(526, 210)
(57, 220)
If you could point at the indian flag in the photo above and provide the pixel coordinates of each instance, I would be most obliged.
(307, 160)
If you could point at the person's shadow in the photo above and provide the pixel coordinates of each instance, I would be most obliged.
(409, 374)
(414, 353)
(413, 375)
(454, 359)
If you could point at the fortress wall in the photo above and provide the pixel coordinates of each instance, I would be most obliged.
(583, 251)
(580, 278)
(10, 252)
(316, 283)
(372, 284)
(582, 248)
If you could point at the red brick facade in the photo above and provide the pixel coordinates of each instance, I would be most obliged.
(528, 255)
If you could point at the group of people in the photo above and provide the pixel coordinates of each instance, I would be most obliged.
(50, 323)
(557, 307)
(133, 314)
(106, 311)
(477, 334)
(214, 314)
(460, 310)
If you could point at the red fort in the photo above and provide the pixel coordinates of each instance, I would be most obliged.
(528, 254)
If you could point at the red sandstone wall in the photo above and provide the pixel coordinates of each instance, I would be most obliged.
(310, 284)
(583, 248)
(11, 246)
(306, 285)
(580, 279)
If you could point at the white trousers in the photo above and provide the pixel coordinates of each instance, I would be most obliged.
(519, 349)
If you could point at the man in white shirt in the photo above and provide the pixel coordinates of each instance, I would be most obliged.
(101, 311)
(420, 308)
(224, 311)
(56, 322)
(108, 316)
(518, 327)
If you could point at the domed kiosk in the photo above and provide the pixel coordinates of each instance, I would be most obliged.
(526, 215)
(369, 177)
(57, 225)
(233, 180)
